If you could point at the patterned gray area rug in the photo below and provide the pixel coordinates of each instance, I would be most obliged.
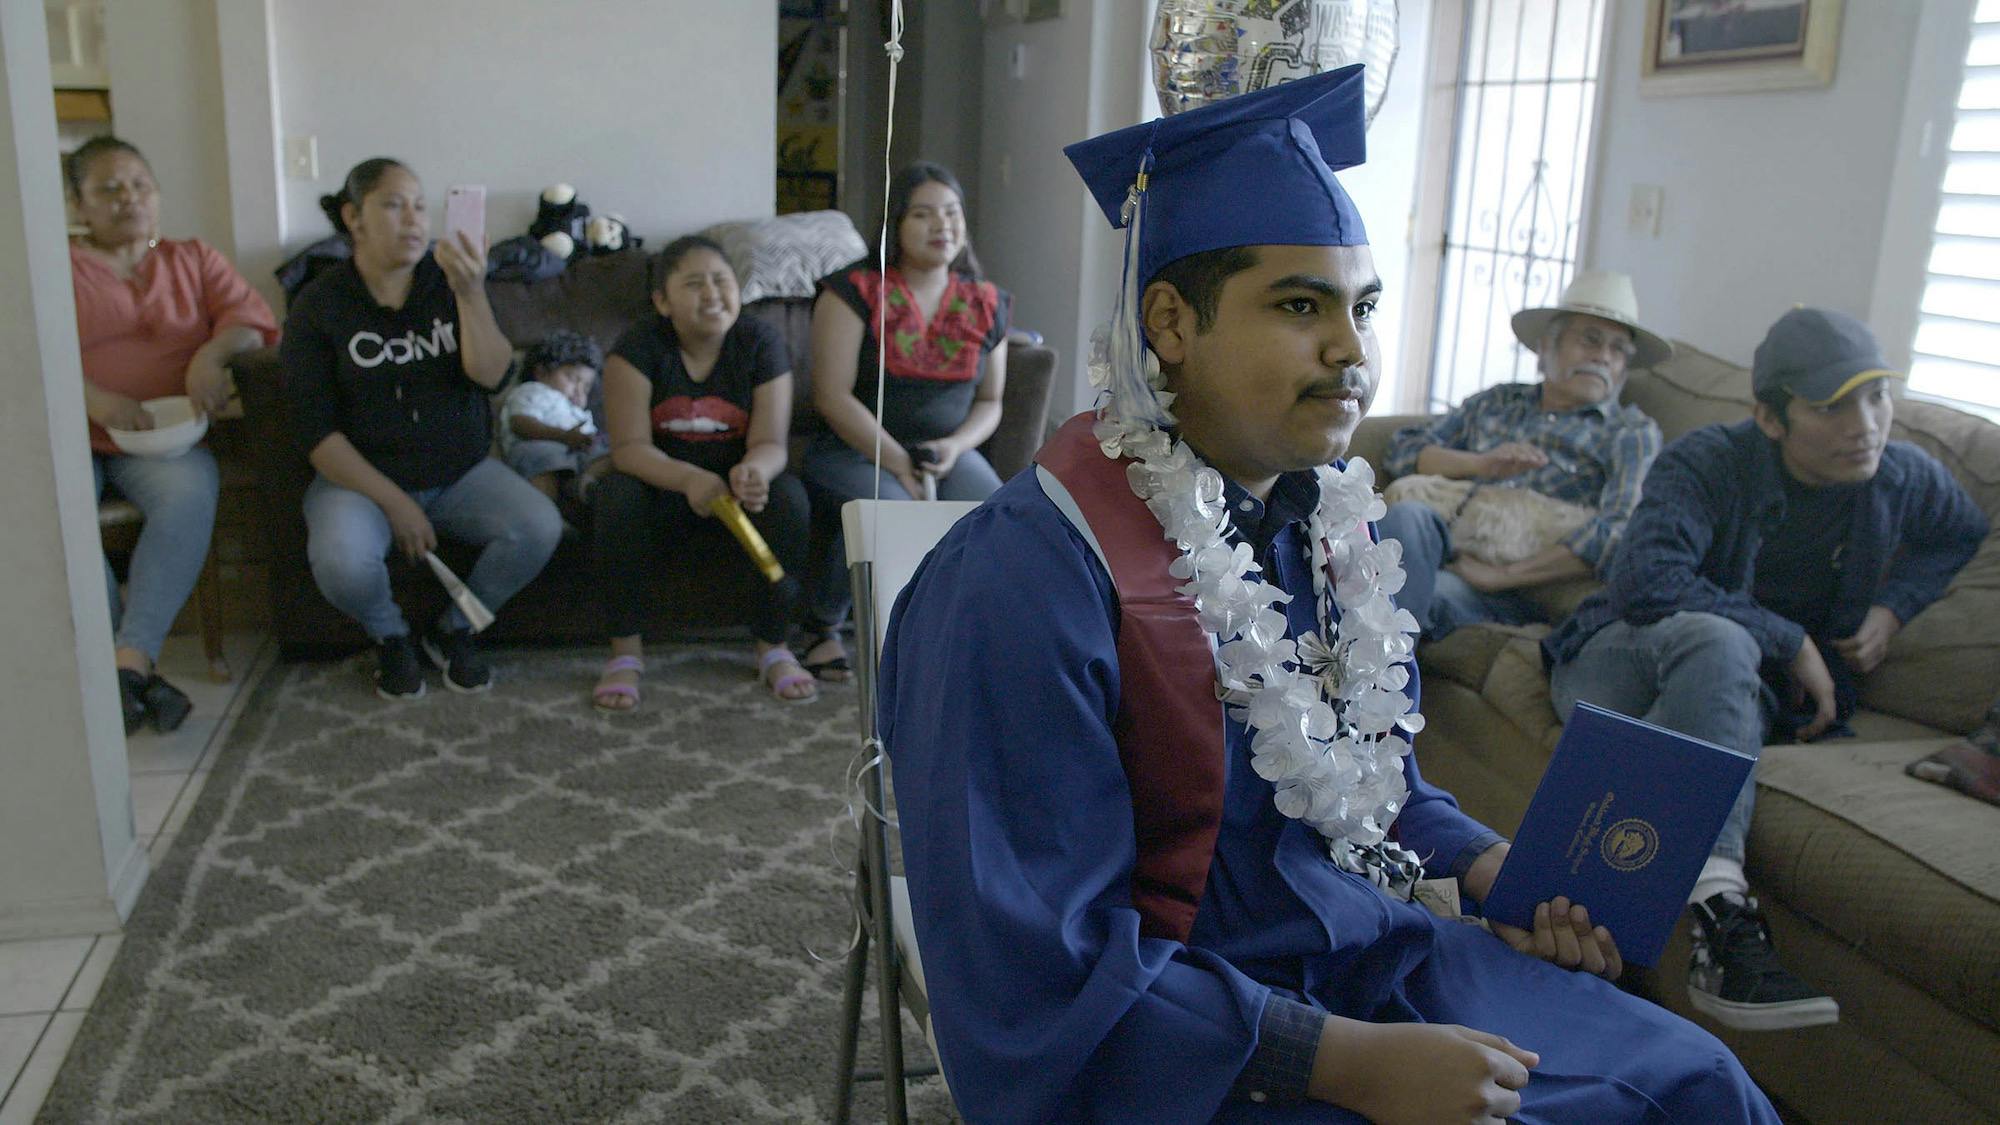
(498, 908)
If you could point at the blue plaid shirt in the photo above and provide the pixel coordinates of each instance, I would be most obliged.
(1598, 455)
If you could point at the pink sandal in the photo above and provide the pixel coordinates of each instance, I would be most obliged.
(780, 654)
(603, 692)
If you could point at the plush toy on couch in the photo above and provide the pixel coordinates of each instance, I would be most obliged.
(560, 219)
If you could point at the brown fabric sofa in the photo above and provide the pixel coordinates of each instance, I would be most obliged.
(601, 297)
(1881, 889)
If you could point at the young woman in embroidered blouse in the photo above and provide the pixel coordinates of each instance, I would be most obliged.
(155, 317)
(946, 365)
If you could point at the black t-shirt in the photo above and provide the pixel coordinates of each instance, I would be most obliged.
(1799, 561)
(705, 423)
(391, 380)
(934, 368)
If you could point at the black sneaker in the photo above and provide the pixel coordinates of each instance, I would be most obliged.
(398, 673)
(1734, 976)
(465, 668)
(132, 698)
(167, 706)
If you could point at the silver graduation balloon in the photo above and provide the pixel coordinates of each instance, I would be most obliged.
(1207, 50)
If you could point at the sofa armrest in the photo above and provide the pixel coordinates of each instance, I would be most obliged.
(1024, 409)
(282, 471)
(1371, 440)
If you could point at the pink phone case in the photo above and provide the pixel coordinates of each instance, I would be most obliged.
(465, 210)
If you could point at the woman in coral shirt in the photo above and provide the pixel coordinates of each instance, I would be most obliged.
(155, 317)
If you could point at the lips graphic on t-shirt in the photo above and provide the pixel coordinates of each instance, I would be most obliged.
(700, 419)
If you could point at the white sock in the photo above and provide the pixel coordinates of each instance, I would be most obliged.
(1719, 875)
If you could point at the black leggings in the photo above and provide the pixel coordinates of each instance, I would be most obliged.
(639, 528)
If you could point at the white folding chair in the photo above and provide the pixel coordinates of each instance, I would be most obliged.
(885, 542)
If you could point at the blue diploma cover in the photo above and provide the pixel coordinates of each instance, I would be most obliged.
(1622, 821)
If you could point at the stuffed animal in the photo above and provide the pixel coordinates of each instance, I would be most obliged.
(560, 221)
(607, 234)
(1492, 522)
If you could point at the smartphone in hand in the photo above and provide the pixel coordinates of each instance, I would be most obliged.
(465, 210)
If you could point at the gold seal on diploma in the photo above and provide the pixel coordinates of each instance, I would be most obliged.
(731, 514)
(1630, 844)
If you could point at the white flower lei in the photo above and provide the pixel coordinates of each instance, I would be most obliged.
(1321, 710)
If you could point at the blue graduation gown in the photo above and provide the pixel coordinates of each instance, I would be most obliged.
(998, 691)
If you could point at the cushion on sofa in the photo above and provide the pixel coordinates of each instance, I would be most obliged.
(786, 255)
(1904, 869)
(1690, 390)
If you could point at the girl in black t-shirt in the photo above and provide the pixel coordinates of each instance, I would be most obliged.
(389, 361)
(698, 405)
(946, 365)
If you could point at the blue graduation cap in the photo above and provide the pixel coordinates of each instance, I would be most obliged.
(1253, 170)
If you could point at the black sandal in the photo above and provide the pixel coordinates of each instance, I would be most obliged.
(834, 670)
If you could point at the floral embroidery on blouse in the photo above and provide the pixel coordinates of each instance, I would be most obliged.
(946, 350)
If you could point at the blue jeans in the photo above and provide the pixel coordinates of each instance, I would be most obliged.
(1692, 672)
(348, 543)
(177, 496)
(838, 472)
(1440, 600)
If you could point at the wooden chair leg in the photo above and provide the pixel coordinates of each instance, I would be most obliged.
(208, 609)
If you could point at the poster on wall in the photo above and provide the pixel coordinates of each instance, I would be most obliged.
(809, 46)
(1738, 46)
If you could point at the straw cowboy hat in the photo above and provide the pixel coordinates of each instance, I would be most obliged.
(1602, 294)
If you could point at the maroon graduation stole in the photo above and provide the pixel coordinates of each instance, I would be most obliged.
(1169, 728)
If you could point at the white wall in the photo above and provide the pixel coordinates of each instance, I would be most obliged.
(1036, 225)
(661, 110)
(1771, 199)
(1384, 191)
(69, 859)
(166, 97)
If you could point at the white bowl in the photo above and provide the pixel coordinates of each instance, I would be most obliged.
(176, 427)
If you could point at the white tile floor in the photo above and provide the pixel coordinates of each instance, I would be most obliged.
(46, 986)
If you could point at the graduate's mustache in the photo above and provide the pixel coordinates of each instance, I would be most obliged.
(1354, 382)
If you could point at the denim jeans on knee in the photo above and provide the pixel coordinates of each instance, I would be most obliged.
(177, 495)
(1691, 672)
(837, 473)
(348, 542)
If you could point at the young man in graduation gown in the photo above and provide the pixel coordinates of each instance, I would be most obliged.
(1148, 710)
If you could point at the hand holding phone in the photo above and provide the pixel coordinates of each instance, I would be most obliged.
(465, 212)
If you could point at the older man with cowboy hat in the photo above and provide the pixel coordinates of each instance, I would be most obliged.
(1566, 437)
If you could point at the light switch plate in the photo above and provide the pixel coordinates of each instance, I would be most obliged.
(302, 157)
(1643, 215)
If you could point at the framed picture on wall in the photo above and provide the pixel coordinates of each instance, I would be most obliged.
(1738, 46)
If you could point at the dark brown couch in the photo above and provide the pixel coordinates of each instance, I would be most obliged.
(600, 297)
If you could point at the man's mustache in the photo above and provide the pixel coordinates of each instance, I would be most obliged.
(1354, 381)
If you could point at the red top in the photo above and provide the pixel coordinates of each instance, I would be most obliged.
(138, 335)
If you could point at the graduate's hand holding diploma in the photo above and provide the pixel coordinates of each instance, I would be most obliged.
(1562, 935)
(1418, 1073)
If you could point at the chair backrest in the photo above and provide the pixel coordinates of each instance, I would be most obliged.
(894, 535)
